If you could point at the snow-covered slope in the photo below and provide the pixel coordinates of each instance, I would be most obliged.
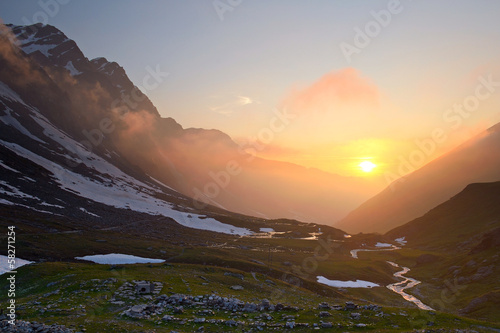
(85, 175)
(68, 98)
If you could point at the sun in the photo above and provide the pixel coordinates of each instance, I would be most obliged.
(367, 166)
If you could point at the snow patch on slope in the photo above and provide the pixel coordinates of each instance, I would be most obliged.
(122, 191)
(44, 49)
(72, 70)
(87, 212)
(13, 191)
(7, 167)
(8, 93)
(9, 120)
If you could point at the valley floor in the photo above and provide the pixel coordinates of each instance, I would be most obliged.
(190, 298)
(215, 282)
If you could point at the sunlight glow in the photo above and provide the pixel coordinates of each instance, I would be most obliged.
(367, 166)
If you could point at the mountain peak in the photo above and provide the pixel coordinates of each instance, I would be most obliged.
(114, 71)
(50, 46)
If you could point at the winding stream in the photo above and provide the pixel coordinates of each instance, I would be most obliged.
(400, 286)
(354, 253)
(407, 282)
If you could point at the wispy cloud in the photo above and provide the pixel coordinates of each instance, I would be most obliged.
(334, 90)
(235, 102)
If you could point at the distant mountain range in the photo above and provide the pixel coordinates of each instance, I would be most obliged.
(477, 160)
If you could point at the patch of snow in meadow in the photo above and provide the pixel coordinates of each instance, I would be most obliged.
(383, 244)
(346, 284)
(4, 264)
(401, 241)
(119, 259)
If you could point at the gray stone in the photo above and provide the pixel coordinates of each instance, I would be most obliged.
(237, 287)
(324, 305)
(355, 315)
(138, 308)
(350, 306)
(231, 323)
(236, 275)
(326, 325)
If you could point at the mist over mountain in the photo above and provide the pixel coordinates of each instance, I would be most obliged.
(95, 103)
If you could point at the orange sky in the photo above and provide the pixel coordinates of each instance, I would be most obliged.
(231, 72)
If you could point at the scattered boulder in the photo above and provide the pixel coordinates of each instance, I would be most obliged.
(236, 275)
(237, 287)
(326, 324)
(265, 303)
(231, 323)
(350, 306)
(205, 312)
(355, 315)
(25, 326)
(324, 306)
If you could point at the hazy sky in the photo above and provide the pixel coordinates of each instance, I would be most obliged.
(355, 96)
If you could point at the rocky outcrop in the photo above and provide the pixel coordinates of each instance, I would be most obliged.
(21, 326)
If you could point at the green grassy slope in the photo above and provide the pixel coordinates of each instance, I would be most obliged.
(455, 250)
